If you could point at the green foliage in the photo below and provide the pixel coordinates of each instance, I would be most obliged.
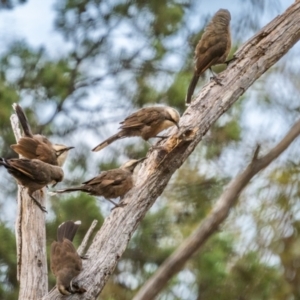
(8, 96)
(176, 93)
(8, 265)
(72, 208)
(225, 132)
(45, 79)
(255, 280)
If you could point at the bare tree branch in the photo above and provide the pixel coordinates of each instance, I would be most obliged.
(30, 239)
(84, 242)
(212, 222)
(253, 59)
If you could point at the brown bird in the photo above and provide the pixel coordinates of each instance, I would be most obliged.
(33, 174)
(66, 264)
(146, 123)
(36, 146)
(213, 47)
(109, 184)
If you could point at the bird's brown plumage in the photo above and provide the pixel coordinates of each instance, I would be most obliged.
(66, 264)
(146, 123)
(213, 47)
(36, 146)
(33, 174)
(109, 184)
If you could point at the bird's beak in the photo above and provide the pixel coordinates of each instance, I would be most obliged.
(68, 148)
(65, 149)
(174, 122)
(138, 162)
(54, 185)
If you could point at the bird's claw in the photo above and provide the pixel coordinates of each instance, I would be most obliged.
(217, 80)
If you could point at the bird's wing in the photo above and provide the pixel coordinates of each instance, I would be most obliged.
(95, 180)
(106, 178)
(140, 118)
(35, 148)
(55, 257)
(23, 166)
(117, 180)
(64, 254)
(71, 256)
(208, 57)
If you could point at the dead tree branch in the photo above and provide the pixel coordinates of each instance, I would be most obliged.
(85, 241)
(212, 222)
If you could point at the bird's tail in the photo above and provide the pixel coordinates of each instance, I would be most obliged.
(68, 190)
(67, 230)
(110, 140)
(191, 89)
(23, 120)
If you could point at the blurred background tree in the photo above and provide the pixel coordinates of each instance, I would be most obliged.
(9, 4)
(105, 59)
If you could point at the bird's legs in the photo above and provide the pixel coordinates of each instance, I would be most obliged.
(215, 78)
(114, 203)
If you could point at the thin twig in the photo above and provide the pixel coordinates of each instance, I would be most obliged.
(86, 238)
(256, 152)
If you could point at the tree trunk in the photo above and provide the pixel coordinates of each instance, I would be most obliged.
(31, 240)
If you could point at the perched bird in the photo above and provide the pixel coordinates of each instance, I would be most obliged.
(36, 146)
(66, 264)
(213, 47)
(109, 184)
(33, 174)
(146, 123)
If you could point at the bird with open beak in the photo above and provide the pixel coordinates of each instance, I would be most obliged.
(36, 146)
